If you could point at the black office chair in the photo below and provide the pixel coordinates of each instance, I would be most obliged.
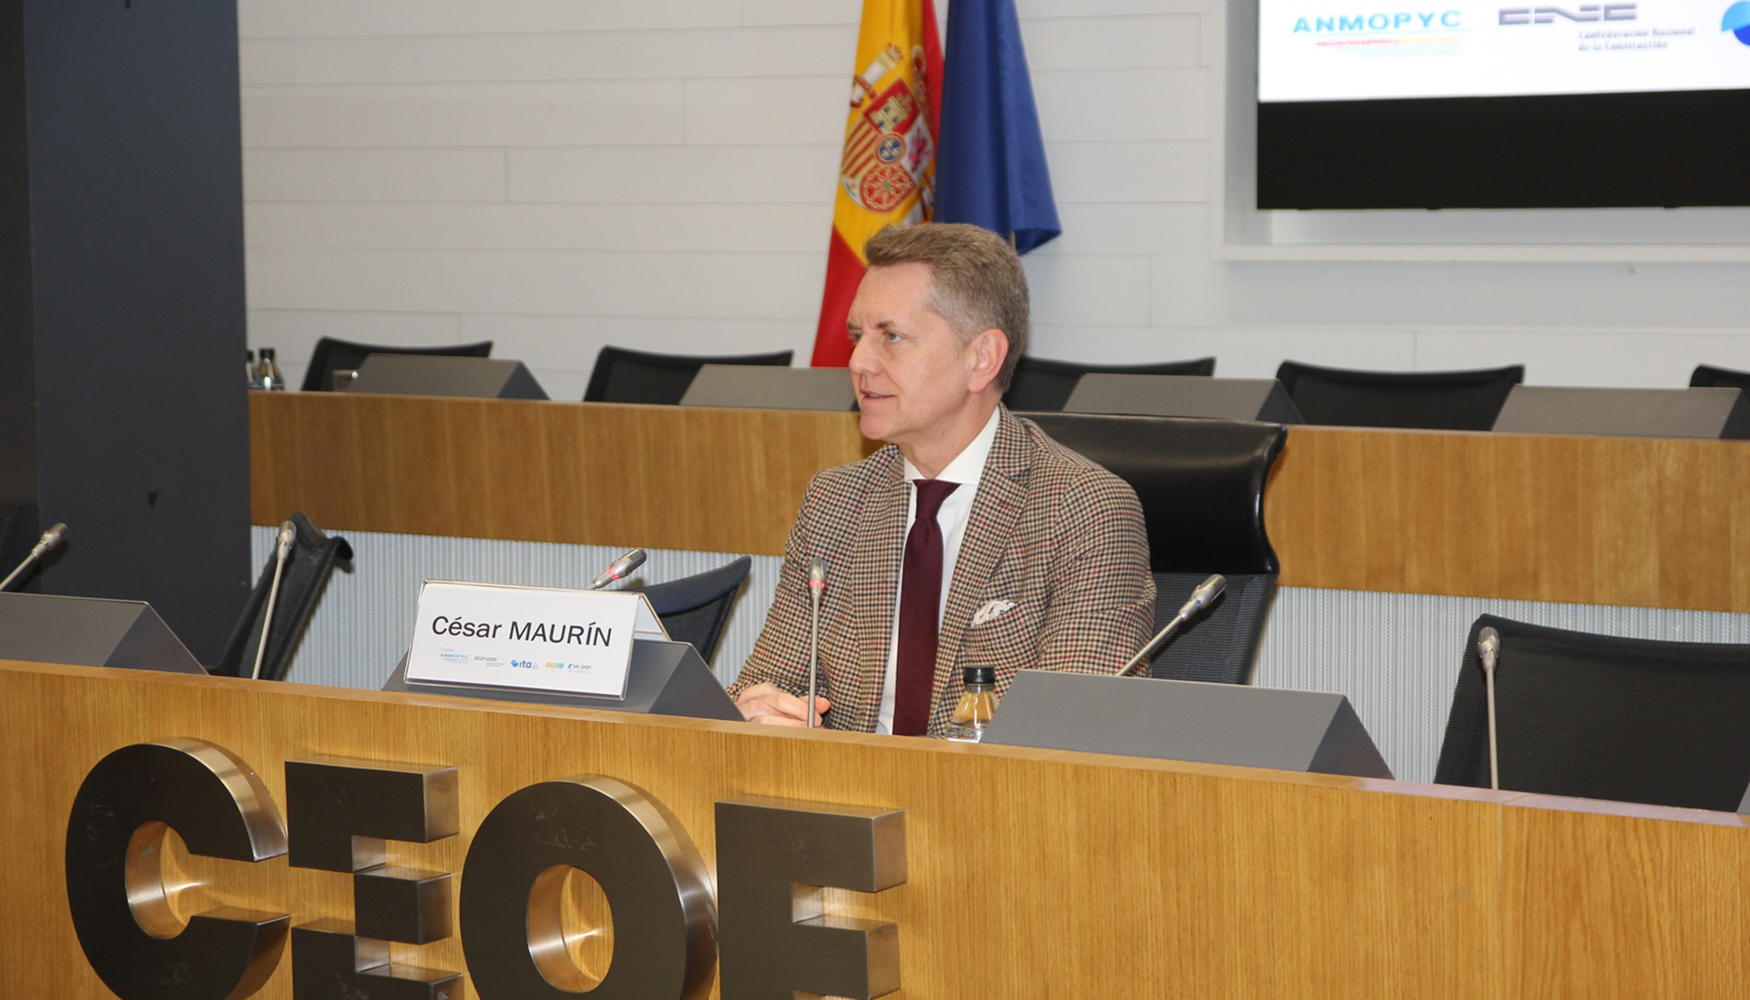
(1599, 717)
(1201, 484)
(694, 609)
(1043, 385)
(332, 353)
(306, 573)
(1451, 401)
(627, 376)
(1709, 377)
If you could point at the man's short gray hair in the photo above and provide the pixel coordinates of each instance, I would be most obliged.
(976, 281)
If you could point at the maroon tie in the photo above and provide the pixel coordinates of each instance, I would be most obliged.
(920, 602)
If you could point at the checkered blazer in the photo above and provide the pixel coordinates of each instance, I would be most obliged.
(1049, 530)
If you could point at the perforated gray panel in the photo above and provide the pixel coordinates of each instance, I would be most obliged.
(1394, 655)
(1397, 655)
(364, 620)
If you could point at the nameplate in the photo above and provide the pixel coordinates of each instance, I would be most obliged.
(538, 638)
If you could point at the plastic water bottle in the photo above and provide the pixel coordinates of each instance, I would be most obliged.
(978, 703)
(267, 372)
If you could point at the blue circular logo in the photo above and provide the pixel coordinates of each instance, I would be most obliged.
(1737, 21)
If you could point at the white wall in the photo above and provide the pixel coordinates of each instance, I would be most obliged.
(560, 174)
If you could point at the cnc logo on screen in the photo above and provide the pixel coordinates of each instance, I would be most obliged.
(1737, 21)
(1584, 12)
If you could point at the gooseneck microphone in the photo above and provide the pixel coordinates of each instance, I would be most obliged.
(1489, 652)
(47, 542)
(282, 549)
(1201, 596)
(618, 569)
(816, 585)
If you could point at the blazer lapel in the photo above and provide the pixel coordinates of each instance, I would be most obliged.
(879, 548)
(990, 526)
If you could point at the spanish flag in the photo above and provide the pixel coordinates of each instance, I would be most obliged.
(888, 173)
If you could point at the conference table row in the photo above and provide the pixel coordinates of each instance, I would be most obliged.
(951, 870)
(1642, 522)
(179, 836)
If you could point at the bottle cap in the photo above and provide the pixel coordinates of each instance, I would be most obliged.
(979, 675)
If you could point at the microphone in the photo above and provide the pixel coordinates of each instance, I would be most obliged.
(816, 585)
(282, 550)
(1201, 597)
(43, 546)
(1489, 651)
(618, 569)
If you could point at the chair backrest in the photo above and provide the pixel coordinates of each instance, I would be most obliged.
(1041, 384)
(306, 573)
(1454, 401)
(1709, 377)
(1221, 644)
(1594, 716)
(332, 353)
(1201, 485)
(694, 609)
(627, 376)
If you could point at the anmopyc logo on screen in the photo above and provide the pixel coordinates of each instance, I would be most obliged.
(1737, 21)
(1430, 20)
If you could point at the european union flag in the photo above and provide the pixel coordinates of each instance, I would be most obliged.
(990, 159)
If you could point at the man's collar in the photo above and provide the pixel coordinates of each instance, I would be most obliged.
(968, 466)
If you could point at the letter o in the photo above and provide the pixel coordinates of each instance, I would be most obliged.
(665, 921)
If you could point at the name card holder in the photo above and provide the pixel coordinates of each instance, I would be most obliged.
(1187, 720)
(665, 678)
(443, 375)
(534, 638)
(91, 632)
(1184, 396)
(590, 649)
(1718, 413)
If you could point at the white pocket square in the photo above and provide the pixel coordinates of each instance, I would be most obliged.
(991, 609)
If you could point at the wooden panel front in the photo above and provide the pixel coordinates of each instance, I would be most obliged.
(1032, 873)
(1587, 520)
(662, 476)
(1590, 520)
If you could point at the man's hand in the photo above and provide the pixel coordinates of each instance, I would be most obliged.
(773, 706)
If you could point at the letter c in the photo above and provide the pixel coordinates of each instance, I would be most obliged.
(437, 625)
(221, 809)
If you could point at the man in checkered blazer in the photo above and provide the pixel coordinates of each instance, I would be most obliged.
(1046, 558)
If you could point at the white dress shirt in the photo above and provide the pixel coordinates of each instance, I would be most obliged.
(966, 469)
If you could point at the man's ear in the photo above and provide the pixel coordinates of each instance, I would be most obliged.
(989, 348)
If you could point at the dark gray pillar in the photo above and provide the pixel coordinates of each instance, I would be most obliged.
(123, 410)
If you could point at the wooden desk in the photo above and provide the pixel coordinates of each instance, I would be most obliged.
(681, 477)
(1031, 873)
(1644, 522)
(1588, 520)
